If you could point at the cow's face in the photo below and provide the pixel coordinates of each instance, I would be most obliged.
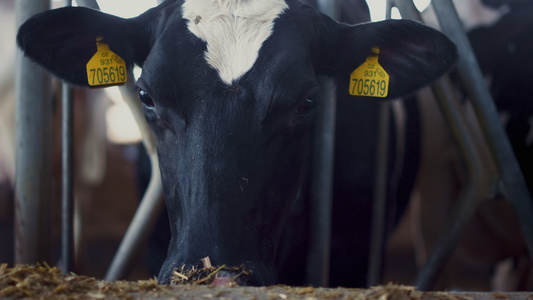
(231, 109)
(229, 89)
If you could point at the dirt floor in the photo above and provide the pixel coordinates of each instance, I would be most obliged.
(44, 282)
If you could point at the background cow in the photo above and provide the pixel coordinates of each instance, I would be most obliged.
(229, 89)
(97, 230)
(7, 124)
(492, 242)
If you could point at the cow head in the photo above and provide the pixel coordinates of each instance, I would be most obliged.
(229, 89)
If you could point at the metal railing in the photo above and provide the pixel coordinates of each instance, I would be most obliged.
(33, 151)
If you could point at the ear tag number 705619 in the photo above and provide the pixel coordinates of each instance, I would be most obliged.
(105, 67)
(370, 79)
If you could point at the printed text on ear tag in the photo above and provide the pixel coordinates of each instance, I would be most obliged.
(105, 67)
(370, 79)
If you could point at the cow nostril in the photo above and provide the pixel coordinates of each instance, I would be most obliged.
(228, 279)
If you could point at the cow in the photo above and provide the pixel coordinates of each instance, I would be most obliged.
(90, 144)
(346, 258)
(230, 89)
(492, 241)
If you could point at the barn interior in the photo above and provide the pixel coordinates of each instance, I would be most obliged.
(492, 253)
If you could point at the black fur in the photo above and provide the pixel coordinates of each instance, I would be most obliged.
(234, 158)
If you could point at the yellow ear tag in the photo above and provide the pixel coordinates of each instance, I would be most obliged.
(105, 67)
(370, 79)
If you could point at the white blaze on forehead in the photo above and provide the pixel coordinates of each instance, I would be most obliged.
(234, 31)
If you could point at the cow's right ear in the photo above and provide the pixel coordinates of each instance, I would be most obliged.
(413, 55)
(64, 40)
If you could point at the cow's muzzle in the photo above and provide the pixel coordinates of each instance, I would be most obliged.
(243, 275)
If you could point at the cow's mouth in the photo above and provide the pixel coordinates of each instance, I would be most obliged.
(246, 274)
(210, 275)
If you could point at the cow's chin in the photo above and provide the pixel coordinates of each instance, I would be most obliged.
(247, 274)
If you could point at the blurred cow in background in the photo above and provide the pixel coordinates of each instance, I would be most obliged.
(91, 157)
(7, 125)
(492, 245)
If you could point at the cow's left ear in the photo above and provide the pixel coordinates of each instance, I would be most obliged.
(64, 40)
(412, 54)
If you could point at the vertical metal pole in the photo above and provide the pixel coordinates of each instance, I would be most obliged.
(322, 174)
(470, 195)
(512, 178)
(329, 7)
(88, 3)
(67, 175)
(33, 136)
(389, 4)
(322, 186)
(377, 233)
(67, 183)
(377, 241)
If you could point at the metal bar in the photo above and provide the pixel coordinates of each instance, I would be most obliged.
(377, 229)
(329, 7)
(89, 3)
(152, 203)
(469, 197)
(67, 191)
(140, 227)
(512, 177)
(447, 242)
(322, 175)
(67, 175)
(389, 4)
(407, 9)
(322, 186)
(33, 170)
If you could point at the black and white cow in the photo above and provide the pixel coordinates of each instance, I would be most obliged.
(229, 89)
(492, 244)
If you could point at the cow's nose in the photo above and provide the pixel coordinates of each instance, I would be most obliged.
(215, 276)
(231, 278)
(244, 275)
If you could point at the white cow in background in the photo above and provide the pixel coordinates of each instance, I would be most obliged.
(7, 91)
(90, 136)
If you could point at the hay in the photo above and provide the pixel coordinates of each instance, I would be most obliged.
(209, 275)
(45, 282)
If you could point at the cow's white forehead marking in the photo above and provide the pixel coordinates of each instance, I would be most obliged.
(234, 31)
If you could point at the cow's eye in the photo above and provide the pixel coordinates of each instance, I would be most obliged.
(146, 99)
(305, 106)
